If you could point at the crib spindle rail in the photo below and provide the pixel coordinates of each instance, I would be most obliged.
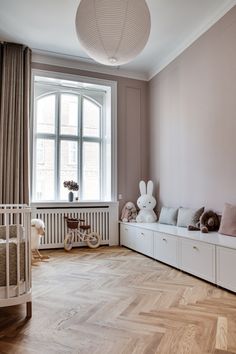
(15, 255)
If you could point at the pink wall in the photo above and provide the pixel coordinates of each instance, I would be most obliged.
(132, 129)
(193, 122)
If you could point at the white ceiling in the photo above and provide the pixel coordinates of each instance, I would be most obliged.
(48, 27)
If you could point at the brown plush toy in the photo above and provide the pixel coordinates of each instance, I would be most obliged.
(209, 221)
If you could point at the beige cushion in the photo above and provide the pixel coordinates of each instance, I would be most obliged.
(188, 216)
(228, 220)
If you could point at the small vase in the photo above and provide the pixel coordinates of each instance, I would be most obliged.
(71, 196)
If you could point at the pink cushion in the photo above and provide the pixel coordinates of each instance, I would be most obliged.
(228, 220)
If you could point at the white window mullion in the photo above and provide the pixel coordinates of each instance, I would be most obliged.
(101, 171)
(102, 154)
(57, 149)
(80, 145)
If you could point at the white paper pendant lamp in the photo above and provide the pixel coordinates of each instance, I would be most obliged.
(113, 32)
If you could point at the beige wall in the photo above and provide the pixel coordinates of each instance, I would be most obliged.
(132, 129)
(193, 122)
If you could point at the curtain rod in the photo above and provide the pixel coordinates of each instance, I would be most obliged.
(17, 44)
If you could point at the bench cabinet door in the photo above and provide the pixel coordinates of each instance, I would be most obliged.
(166, 249)
(127, 236)
(226, 266)
(198, 258)
(144, 242)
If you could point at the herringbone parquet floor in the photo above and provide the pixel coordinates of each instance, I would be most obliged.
(113, 301)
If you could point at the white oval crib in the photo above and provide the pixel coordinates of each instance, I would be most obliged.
(15, 256)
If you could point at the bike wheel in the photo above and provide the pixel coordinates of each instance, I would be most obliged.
(68, 243)
(93, 240)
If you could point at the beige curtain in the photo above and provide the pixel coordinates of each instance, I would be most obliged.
(15, 75)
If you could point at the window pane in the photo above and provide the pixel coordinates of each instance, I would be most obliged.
(91, 119)
(44, 176)
(45, 114)
(68, 166)
(91, 171)
(69, 114)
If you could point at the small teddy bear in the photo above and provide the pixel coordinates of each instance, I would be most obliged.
(129, 212)
(209, 221)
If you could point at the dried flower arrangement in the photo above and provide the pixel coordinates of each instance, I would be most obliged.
(71, 185)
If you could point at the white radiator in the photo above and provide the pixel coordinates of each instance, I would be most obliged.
(102, 219)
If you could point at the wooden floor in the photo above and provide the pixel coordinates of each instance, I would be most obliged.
(112, 301)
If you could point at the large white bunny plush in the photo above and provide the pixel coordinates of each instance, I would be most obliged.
(146, 202)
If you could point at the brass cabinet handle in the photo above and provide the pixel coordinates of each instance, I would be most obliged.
(195, 248)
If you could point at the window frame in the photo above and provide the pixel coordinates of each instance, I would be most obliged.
(111, 87)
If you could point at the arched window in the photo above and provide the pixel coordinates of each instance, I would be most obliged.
(71, 141)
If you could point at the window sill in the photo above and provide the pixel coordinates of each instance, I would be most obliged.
(65, 204)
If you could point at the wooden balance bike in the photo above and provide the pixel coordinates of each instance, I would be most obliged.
(82, 232)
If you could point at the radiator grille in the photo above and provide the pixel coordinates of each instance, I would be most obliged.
(55, 225)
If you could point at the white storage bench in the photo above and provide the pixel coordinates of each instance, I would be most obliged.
(208, 256)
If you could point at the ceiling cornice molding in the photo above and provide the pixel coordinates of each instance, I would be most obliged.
(81, 63)
(211, 21)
